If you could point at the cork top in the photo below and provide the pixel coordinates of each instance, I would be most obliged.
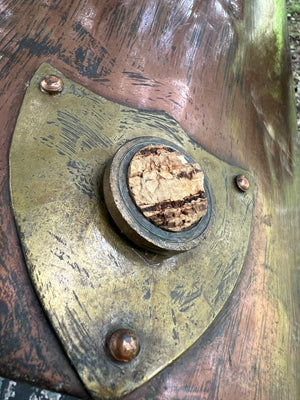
(168, 190)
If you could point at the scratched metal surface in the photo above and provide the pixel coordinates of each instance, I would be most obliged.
(89, 279)
(221, 68)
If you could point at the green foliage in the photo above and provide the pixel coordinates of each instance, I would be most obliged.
(293, 7)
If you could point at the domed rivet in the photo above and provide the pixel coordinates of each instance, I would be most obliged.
(242, 183)
(123, 345)
(51, 84)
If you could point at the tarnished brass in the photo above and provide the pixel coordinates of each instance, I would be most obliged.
(90, 279)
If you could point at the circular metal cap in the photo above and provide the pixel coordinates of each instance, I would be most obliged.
(157, 195)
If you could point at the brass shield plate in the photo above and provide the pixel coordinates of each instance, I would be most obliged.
(90, 279)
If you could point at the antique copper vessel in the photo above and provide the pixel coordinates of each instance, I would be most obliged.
(218, 73)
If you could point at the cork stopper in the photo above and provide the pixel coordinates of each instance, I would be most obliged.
(168, 190)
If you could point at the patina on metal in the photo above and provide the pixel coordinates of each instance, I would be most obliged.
(129, 217)
(90, 279)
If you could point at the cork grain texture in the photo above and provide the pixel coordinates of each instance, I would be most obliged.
(167, 189)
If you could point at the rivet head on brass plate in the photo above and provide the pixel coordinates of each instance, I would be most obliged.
(123, 345)
(51, 84)
(157, 195)
(168, 301)
(242, 183)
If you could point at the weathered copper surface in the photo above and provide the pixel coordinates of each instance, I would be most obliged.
(88, 277)
(221, 68)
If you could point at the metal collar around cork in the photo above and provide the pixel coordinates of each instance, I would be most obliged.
(129, 217)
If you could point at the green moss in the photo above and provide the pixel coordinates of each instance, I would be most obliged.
(279, 30)
(279, 22)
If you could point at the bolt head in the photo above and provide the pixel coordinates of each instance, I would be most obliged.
(123, 345)
(242, 183)
(51, 84)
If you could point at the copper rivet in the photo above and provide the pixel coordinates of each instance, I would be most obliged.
(123, 345)
(242, 183)
(51, 84)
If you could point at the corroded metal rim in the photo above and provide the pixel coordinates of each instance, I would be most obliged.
(129, 218)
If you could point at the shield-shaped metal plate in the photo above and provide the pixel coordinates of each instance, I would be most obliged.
(90, 279)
